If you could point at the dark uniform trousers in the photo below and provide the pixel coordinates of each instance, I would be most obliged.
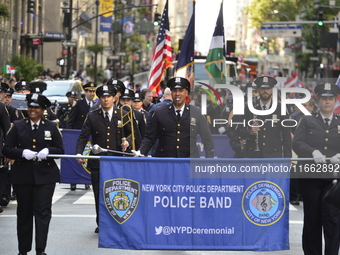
(106, 135)
(177, 139)
(5, 125)
(78, 114)
(274, 140)
(312, 134)
(34, 181)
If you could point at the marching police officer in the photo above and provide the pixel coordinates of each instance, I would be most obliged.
(82, 107)
(271, 140)
(65, 109)
(318, 136)
(177, 125)
(33, 175)
(107, 130)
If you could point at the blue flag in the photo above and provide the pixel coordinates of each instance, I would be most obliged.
(184, 66)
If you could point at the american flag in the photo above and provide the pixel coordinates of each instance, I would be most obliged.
(162, 58)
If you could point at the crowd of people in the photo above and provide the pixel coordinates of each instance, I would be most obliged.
(168, 128)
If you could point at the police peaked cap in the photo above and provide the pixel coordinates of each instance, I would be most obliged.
(251, 85)
(71, 94)
(138, 97)
(22, 85)
(265, 82)
(106, 90)
(327, 90)
(38, 85)
(37, 100)
(179, 83)
(128, 93)
(10, 91)
(120, 87)
(90, 86)
(3, 87)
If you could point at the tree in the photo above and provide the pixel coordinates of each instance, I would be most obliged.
(26, 68)
(95, 48)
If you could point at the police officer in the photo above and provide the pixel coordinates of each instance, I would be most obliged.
(82, 107)
(65, 109)
(33, 175)
(318, 136)
(23, 87)
(138, 117)
(137, 104)
(38, 87)
(103, 125)
(177, 125)
(271, 140)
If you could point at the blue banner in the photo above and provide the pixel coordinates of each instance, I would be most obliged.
(105, 24)
(70, 170)
(203, 204)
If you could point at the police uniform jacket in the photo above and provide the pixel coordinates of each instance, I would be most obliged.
(139, 121)
(78, 114)
(273, 141)
(63, 114)
(106, 135)
(177, 139)
(312, 134)
(13, 113)
(20, 137)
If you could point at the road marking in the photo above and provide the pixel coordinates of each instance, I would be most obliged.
(86, 199)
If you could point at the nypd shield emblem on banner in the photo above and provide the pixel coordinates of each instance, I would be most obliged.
(121, 198)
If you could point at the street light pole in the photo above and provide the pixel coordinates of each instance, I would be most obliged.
(315, 50)
(69, 37)
(96, 43)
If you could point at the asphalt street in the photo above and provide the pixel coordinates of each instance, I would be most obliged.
(73, 223)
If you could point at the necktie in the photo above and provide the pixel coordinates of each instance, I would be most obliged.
(178, 115)
(107, 117)
(35, 126)
(264, 107)
(89, 105)
(327, 121)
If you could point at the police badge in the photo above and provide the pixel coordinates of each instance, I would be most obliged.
(48, 135)
(121, 197)
(193, 121)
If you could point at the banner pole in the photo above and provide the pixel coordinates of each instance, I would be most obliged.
(98, 157)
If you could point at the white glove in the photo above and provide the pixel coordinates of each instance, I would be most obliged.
(137, 153)
(336, 159)
(28, 154)
(221, 130)
(42, 154)
(318, 157)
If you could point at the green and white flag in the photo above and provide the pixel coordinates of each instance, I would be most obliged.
(215, 64)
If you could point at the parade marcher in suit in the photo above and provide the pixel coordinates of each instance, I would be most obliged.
(147, 99)
(5, 125)
(138, 117)
(81, 108)
(177, 125)
(103, 125)
(65, 109)
(167, 98)
(33, 175)
(317, 136)
(270, 140)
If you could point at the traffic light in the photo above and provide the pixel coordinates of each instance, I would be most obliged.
(148, 44)
(60, 61)
(320, 19)
(30, 6)
(157, 19)
(263, 45)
